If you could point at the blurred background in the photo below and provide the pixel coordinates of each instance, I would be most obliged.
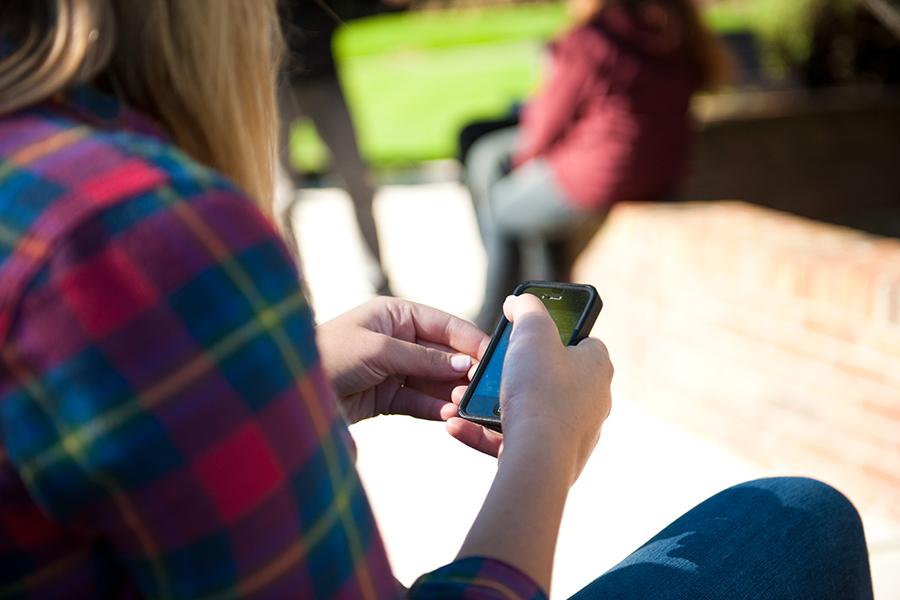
(754, 323)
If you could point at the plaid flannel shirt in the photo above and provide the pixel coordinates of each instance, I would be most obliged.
(166, 429)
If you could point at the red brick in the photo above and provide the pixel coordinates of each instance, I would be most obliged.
(774, 335)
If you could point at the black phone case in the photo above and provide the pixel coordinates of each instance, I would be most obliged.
(582, 330)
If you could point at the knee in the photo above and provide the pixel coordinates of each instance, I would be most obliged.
(478, 163)
(805, 492)
(836, 515)
(815, 529)
(485, 161)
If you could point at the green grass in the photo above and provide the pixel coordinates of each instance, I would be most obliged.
(429, 30)
(414, 79)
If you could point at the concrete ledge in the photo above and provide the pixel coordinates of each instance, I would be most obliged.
(776, 336)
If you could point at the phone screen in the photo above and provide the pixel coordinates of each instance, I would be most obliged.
(565, 307)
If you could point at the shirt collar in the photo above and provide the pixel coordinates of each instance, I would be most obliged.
(99, 109)
(105, 111)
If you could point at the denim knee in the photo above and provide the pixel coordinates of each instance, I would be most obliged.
(805, 492)
(835, 513)
(781, 538)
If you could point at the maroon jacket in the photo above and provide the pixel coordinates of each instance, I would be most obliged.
(613, 117)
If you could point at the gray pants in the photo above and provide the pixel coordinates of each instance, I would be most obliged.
(526, 220)
(322, 102)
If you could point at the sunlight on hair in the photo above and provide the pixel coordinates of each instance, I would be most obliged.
(204, 69)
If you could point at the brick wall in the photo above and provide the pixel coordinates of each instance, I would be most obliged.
(774, 335)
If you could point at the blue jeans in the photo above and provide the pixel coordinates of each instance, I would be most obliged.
(789, 538)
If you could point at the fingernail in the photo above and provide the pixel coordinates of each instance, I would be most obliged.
(460, 362)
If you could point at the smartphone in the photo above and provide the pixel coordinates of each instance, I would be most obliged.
(574, 309)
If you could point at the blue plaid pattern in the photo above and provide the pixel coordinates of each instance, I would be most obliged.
(166, 429)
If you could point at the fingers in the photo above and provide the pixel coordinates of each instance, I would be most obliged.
(597, 353)
(414, 403)
(441, 390)
(475, 436)
(443, 328)
(529, 313)
(409, 359)
(435, 345)
(472, 369)
(456, 394)
(515, 305)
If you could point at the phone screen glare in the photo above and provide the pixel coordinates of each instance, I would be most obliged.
(485, 399)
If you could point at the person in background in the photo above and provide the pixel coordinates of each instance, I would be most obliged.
(172, 423)
(311, 90)
(611, 122)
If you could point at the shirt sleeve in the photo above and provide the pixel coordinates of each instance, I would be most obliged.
(477, 578)
(554, 109)
(172, 407)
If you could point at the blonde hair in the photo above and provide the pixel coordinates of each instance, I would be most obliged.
(204, 69)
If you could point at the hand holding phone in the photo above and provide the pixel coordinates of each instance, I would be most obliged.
(554, 397)
(572, 307)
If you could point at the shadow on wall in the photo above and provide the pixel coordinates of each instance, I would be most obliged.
(830, 155)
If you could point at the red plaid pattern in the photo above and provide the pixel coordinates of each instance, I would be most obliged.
(166, 429)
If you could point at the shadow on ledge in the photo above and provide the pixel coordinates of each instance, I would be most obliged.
(830, 155)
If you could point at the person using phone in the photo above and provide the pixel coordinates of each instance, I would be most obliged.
(173, 425)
